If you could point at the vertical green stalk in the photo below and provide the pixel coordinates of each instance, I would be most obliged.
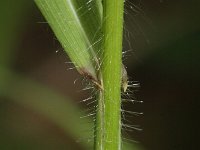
(111, 71)
(108, 134)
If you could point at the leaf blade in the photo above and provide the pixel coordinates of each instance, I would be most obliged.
(74, 33)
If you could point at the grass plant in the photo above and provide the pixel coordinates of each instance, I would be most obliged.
(90, 32)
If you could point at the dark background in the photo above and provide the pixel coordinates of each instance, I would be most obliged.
(164, 38)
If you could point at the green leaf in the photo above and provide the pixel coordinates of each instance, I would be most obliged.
(77, 25)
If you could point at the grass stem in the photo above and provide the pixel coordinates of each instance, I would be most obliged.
(108, 133)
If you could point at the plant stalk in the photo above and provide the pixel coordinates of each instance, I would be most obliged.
(108, 121)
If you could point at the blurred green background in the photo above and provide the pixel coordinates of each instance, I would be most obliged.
(39, 102)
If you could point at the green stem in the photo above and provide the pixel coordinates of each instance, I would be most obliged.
(108, 123)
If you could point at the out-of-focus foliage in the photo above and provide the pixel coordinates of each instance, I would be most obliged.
(167, 68)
